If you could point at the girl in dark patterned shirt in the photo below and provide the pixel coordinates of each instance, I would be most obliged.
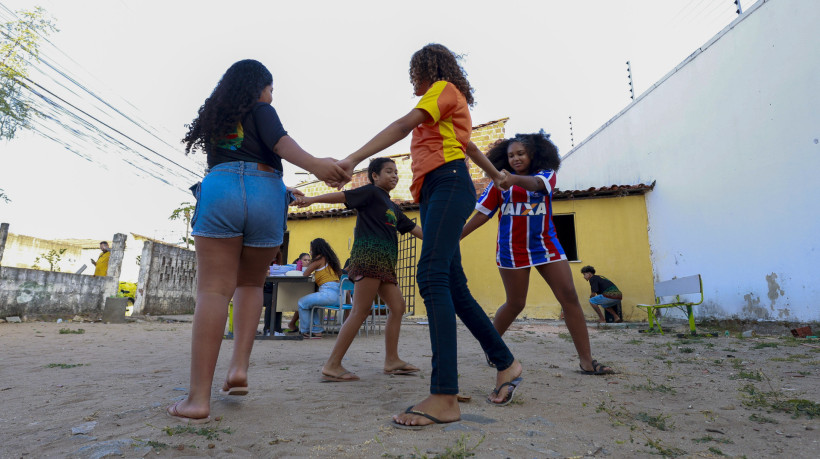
(372, 265)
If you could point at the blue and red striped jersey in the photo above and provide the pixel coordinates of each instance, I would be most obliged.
(526, 235)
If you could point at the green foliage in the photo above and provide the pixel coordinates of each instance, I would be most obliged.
(64, 365)
(658, 422)
(764, 345)
(184, 212)
(772, 401)
(686, 350)
(68, 331)
(19, 46)
(211, 433)
(652, 387)
(4, 196)
(664, 450)
(750, 375)
(52, 257)
(459, 451)
(565, 336)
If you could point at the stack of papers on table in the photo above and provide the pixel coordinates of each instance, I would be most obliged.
(281, 270)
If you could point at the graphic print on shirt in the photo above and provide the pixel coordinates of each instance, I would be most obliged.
(390, 218)
(232, 141)
(526, 234)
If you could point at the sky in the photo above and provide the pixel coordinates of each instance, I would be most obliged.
(143, 67)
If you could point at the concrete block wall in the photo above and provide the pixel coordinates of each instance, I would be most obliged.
(31, 292)
(167, 280)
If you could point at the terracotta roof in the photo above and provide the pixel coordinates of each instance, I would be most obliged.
(557, 195)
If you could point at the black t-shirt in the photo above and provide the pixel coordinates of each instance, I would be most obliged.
(378, 216)
(253, 140)
(600, 285)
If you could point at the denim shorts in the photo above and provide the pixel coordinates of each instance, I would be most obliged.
(236, 199)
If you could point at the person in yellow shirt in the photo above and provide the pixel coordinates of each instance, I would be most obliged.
(102, 261)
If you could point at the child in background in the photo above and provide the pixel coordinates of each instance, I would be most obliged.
(526, 235)
(301, 263)
(441, 127)
(326, 271)
(372, 266)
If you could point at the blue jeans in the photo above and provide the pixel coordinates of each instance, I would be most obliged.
(447, 199)
(236, 199)
(603, 301)
(327, 295)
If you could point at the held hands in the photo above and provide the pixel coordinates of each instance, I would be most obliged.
(347, 165)
(326, 170)
(503, 181)
(302, 201)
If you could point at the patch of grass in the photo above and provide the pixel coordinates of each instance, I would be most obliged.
(772, 401)
(618, 415)
(708, 438)
(658, 422)
(211, 433)
(764, 345)
(729, 349)
(664, 450)
(737, 364)
(686, 350)
(749, 375)
(718, 361)
(714, 450)
(64, 365)
(760, 419)
(652, 387)
(68, 331)
(157, 445)
(458, 451)
(565, 336)
(790, 358)
(634, 341)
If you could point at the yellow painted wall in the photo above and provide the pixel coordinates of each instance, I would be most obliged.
(619, 250)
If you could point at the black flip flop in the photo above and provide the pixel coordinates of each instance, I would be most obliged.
(513, 386)
(410, 410)
(597, 369)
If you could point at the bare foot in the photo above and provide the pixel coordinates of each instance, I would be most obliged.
(514, 371)
(337, 374)
(235, 378)
(400, 367)
(443, 407)
(187, 409)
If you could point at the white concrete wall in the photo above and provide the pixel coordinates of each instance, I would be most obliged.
(731, 137)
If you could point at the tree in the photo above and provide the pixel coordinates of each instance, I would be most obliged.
(4, 196)
(19, 47)
(184, 212)
(52, 257)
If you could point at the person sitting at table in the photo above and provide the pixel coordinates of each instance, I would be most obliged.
(301, 262)
(326, 270)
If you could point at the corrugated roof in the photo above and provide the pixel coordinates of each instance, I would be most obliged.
(480, 184)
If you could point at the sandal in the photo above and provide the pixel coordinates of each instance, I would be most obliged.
(510, 392)
(311, 336)
(597, 369)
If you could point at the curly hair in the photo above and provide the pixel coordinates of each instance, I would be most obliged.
(542, 152)
(434, 63)
(320, 247)
(588, 269)
(376, 166)
(234, 96)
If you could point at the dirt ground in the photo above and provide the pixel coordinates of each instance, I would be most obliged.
(103, 393)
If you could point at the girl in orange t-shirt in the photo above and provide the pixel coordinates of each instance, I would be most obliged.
(441, 127)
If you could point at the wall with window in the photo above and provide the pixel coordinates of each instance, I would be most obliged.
(610, 234)
(731, 137)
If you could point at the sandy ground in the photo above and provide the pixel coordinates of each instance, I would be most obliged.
(103, 393)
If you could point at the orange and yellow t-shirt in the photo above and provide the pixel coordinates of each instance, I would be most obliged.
(445, 138)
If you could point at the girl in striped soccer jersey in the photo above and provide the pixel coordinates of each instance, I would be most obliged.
(526, 235)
